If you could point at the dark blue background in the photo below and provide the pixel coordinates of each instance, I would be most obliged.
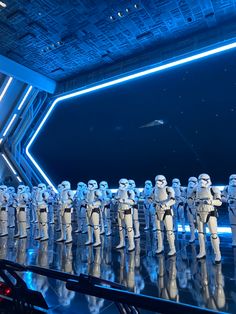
(98, 135)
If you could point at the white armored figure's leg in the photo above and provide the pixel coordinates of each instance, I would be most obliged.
(67, 218)
(160, 248)
(90, 228)
(181, 217)
(107, 211)
(191, 225)
(44, 225)
(121, 245)
(11, 217)
(232, 220)
(78, 218)
(201, 238)
(136, 222)
(130, 231)
(153, 217)
(101, 216)
(62, 228)
(96, 228)
(168, 221)
(146, 215)
(4, 222)
(215, 241)
(28, 210)
(22, 223)
(51, 213)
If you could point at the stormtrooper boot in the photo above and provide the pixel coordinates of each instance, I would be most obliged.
(121, 245)
(202, 253)
(89, 241)
(62, 237)
(97, 233)
(45, 232)
(171, 240)
(68, 234)
(131, 240)
(160, 248)
(215, 242)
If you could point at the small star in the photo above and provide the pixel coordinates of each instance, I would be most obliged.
(180, 96)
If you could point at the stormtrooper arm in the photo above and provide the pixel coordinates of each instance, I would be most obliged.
(224, 195)
(217, 197)
(171, 197)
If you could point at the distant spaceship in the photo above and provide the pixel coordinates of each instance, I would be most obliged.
(153, 123)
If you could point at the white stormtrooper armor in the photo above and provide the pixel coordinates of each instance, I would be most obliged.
(4, 197)
(11, 208)
(50, 203)
(34, 205)
(178, 207)
(149, 210)
(66, 211)
(205, 198)
(22, 201)
(105, 216)
(80, 207)
(229, 196)
(93, 204)
(41, 198)
(191, 210)
(132, 186)
(126, 200)
(164, 197)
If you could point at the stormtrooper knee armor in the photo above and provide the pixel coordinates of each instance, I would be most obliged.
(105, 208)
(4, 198)
(132, 186)
(42, 210)
(205, 198)
(93, 200)
(126, 200)
(22, 201)
(164, 197)
(66, 211)
(229, 196)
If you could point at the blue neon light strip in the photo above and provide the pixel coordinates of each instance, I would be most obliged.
(6, 88)
(113, 82)
(11, 167)
(24, 98)
(10, 124)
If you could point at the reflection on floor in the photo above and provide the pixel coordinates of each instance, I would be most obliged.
(181, 278)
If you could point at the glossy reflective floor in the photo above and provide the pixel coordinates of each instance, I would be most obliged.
(181, 278)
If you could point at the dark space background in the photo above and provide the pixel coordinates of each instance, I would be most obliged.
(98, 136)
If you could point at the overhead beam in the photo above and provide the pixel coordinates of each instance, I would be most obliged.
(24, 74)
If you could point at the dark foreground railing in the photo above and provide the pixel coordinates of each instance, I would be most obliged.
(15, 289)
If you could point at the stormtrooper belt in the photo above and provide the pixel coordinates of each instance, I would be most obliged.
(3, 208)
(96, 210)
(22, 209)
(127, 211)
(43, 210)
(67, 210)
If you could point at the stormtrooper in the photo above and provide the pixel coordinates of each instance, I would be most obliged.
(80, 207)
(148, 208)
(229, 197)
(22, 201)
(179, 204)
(11, 209)
(163, 198)
(132, 187)
(58, 204)
(93, 201)
(126, 200)
(205, 198)
(4, 197)
(191, 210)
(105, 216)
(66, 211)
(34, 205)
(41, 198)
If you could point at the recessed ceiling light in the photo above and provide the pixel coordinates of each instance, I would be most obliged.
(3, 4)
